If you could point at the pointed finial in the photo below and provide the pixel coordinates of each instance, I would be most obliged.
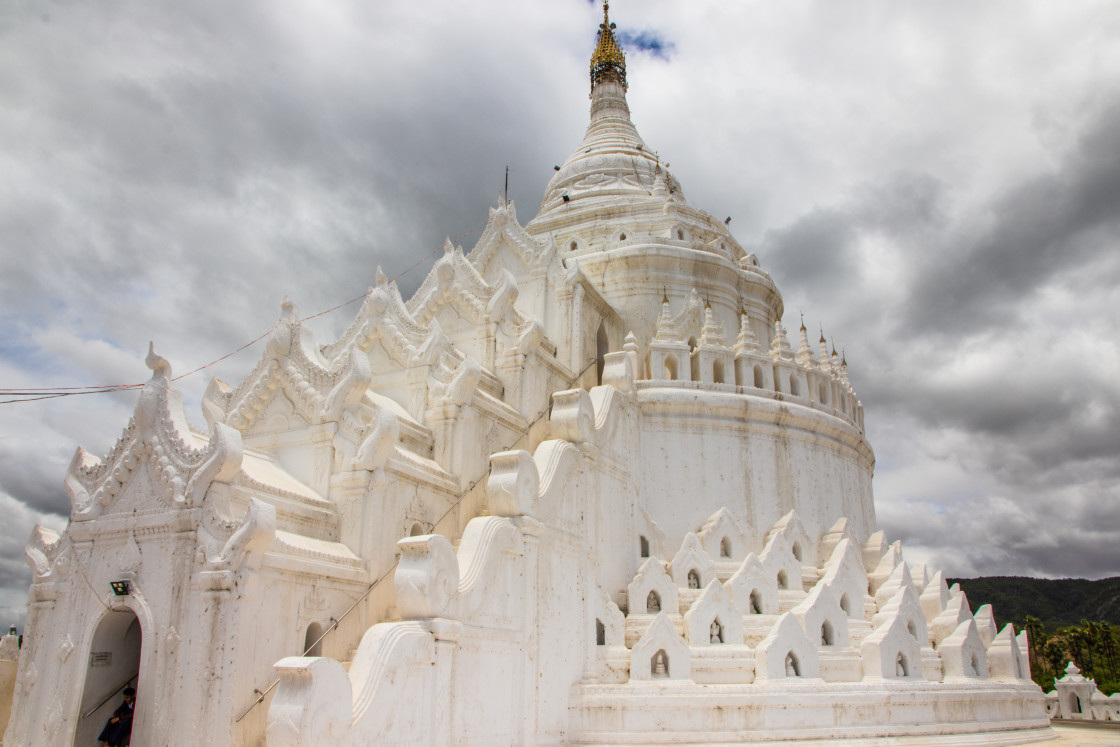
(608, 59)
(843, 358)
(448, 247)
(822, 334)
(157, 364)
(803, 321)
(664, 295)
(288, 309)
(379, 279)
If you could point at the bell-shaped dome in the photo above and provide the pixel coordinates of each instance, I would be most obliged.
(612, 162)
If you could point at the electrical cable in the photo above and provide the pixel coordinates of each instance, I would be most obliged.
(31, 394)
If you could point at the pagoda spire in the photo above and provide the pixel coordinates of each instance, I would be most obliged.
(608, 60)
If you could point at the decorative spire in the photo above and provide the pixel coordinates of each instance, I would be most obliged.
(666, 330)
(608, 59)
(779, 345)
(822, 359)
(747, 342)
(804, 352)
(711, 333)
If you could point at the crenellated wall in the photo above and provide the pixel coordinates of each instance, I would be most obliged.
(531, 633)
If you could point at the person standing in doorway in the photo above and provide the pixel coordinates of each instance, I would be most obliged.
(118, 729)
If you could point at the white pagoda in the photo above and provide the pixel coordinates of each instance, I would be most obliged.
(580, 488)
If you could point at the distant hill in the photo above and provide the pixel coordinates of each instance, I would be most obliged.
(1056, 602)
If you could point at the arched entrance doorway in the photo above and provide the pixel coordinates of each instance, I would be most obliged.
(113, 665)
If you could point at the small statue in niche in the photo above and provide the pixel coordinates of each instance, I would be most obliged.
(693, 580)
(900, 666)
(791, 666)
(716, 632)
(756, 604)
(659, 665)
(653, 603)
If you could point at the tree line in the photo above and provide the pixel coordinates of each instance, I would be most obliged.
(1093, 646)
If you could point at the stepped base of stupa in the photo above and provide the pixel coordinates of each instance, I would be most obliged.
(807, 712)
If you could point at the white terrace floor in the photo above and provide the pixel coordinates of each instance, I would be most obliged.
(1084, 736)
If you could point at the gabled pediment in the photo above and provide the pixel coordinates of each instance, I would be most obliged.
(384, 319)
(691, 566)
(822, 618)
(844, 572)
(935, 597)
(157, 462)
(713, 619)
(505, 244)
(900, 578)
(287, 388)
(780, 563)
(906, 605)
(722, 537)
(955, 614)
(753, 590)
(793, 530)
(452, 283)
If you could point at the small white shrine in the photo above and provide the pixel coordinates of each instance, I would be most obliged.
(580, 488)
(1076, 698)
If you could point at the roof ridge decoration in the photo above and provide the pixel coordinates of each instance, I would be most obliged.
(502, 223)
(452, 280)
(384, 317)
(672, 328)
(608, 58)
(158, 436)
(285, 365)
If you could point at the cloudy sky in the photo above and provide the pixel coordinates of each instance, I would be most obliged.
(938, 184)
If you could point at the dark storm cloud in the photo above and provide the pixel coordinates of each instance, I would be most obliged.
(1014, 535)
(221, 151)
(821, 249)
(173, 170)
(1055, 224)
(34, 482)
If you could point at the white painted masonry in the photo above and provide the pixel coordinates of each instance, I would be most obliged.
(599, 496)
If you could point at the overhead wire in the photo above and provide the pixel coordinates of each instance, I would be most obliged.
(34, 394)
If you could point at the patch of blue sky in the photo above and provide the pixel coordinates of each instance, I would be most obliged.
(646, 41)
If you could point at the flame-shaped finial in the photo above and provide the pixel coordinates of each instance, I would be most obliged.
(608, 59)
(288, 309)
(158, 365)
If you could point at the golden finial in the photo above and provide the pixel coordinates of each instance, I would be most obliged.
(608, 58)
(803, 321)
(822, 334)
